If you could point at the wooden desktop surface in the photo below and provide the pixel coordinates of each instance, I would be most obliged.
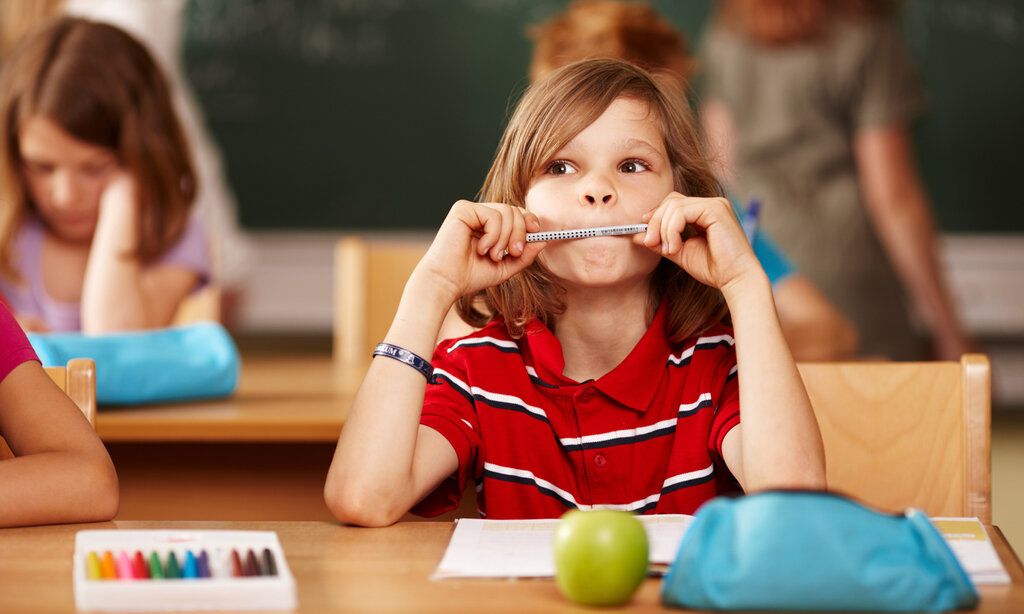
(349, 569)
(280, 398)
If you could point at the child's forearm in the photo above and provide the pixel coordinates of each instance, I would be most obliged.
(781, 444)
(57, 487)
(372, 467)
(112, 293)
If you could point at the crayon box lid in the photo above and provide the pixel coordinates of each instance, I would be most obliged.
(219, 592)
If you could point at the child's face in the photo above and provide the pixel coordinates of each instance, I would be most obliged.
(65, 176)
(610, 174)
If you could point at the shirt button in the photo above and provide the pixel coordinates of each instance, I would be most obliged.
(585, 396)
(600, 460)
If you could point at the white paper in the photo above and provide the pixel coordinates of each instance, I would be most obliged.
(971, 544)
(525, 548)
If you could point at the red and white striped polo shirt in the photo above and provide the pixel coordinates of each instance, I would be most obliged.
(645, 437)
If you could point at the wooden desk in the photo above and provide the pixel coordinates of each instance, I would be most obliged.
(262, 454)
(280, 398)
(348, 569)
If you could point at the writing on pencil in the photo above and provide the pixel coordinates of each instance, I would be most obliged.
(585, 233)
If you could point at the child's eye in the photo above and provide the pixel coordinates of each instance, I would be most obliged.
(38, 168)
(97, 170)
(560, 167)
(634, 166)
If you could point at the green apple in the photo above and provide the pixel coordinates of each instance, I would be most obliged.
(600, 556)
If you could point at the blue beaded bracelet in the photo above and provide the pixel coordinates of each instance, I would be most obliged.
(404, 355)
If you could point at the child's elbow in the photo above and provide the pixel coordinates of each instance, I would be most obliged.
(809, 474)
(811, 479)
(102, 498)
(361, 505)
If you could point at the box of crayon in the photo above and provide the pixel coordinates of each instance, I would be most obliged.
(164, 570)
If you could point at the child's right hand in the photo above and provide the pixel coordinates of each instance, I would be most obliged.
(479, 245)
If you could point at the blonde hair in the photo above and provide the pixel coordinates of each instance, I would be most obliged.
(631, 31)
(102, 87)
(551, 113)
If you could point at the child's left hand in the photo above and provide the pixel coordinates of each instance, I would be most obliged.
(717, 255)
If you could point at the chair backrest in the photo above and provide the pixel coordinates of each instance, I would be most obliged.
(370, 275)
(78, 381)
(901, 435)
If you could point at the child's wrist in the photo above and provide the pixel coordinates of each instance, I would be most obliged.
(117, 222)
(428, 295)
(751, 286)
(418, 320)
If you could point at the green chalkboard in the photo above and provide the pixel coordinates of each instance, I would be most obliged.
(378, 114)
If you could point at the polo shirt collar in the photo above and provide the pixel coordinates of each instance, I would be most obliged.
(632, 383)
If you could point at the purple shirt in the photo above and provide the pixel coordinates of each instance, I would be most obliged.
(14, 346)
(29, 298)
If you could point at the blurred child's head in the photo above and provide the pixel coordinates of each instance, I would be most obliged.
(784, 22)
(79, 102)
(598, 143)
(628, 31)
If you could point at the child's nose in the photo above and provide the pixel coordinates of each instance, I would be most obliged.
(64, 190)
(594, 197)
(598, 192)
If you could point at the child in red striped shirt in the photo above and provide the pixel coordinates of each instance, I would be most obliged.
(607, 378)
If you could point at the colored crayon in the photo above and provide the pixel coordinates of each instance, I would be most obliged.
(204, 565)
(237, 571)
(173, 570)
(220, 564)
(107, 567)
(139, 569)
(124, 567)
(269, 564)
(92, 567)
(252, 567)
(156, 570)
(190, 571)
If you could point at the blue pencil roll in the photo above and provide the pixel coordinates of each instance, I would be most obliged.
(814, 551)
(198, 361)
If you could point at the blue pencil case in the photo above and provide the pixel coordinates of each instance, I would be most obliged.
(814, 551)
(198, 361)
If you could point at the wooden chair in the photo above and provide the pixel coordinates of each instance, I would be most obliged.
(901, 435)
(78, 381)
(370, 275)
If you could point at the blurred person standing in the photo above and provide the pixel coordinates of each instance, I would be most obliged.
(808, 104)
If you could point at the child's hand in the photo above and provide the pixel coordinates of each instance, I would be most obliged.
(716, 254)
(480, 245)
(119, 193)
